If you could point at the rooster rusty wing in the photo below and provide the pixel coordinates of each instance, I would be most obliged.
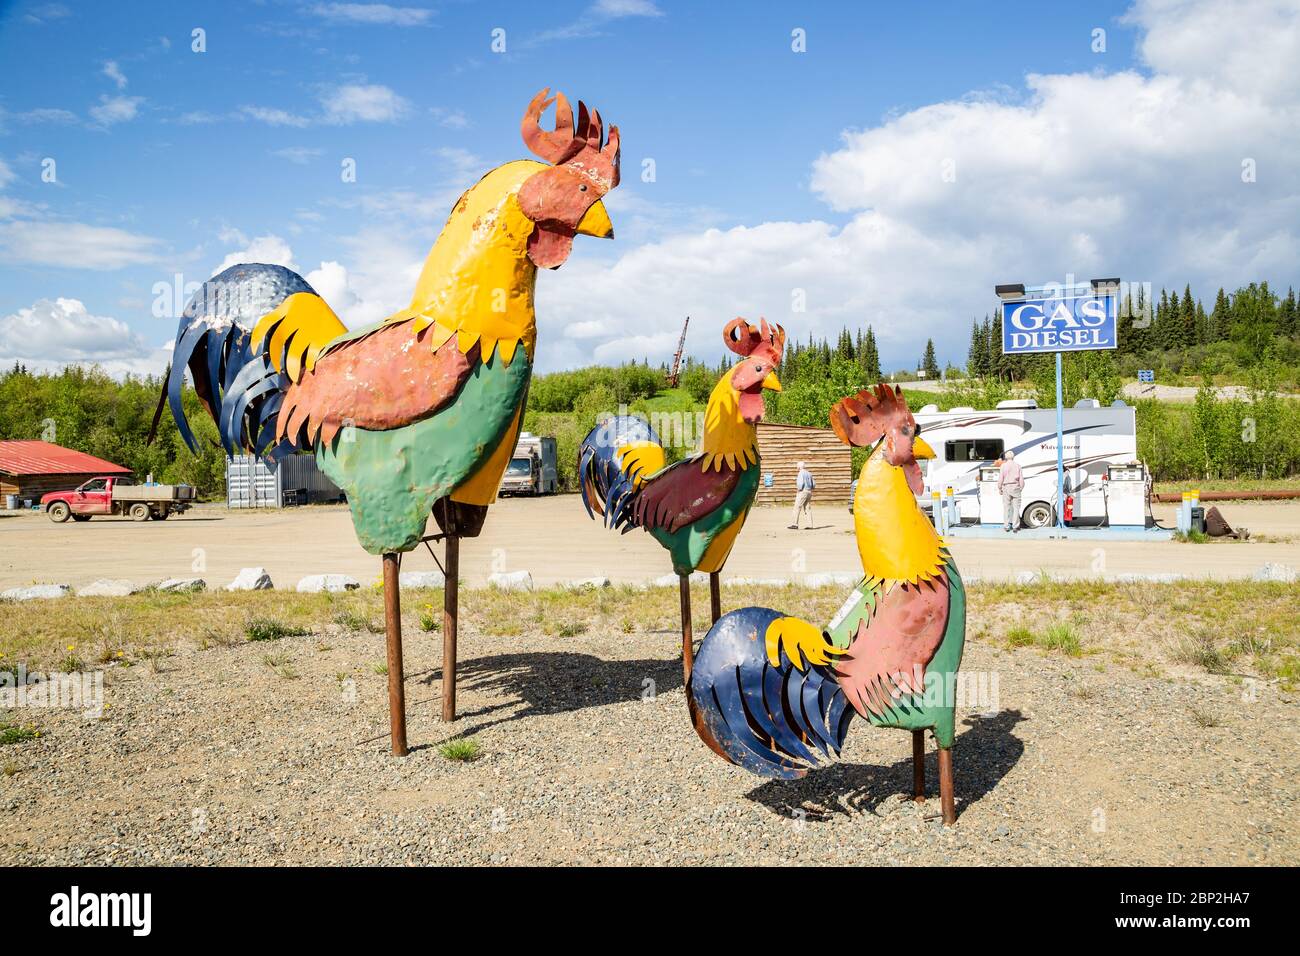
(695, 507)
(420, 412)
(776, 694)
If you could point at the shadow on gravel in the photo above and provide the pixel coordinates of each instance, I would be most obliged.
(550, 683)
(981, 757)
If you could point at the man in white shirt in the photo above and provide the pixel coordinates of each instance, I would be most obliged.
(803, 491)
(1010, 484)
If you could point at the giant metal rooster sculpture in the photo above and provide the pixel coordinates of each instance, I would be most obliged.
(418, 413)
(768, 690)
(696, 506)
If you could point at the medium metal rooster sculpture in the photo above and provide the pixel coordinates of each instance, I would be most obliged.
(419, 413)
(776, 694)
(694, 507)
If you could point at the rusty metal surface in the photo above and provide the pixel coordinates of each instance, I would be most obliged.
(458, 518)
(887, 657)
(384, 380)
(582, 172)
(393, 644)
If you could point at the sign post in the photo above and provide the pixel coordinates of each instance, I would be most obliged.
(1059, 318)
(1060, 449)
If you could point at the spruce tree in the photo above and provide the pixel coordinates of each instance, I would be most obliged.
(873, 355)
(1221, 317)
(975, 352)
(928, 361)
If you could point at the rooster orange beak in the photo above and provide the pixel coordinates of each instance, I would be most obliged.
(595, 222)
(921, 450)
(772, 383)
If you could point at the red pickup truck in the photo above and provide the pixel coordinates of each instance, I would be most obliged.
(117, 496)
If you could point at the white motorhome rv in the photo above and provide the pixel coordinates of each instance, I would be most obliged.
(966, 440)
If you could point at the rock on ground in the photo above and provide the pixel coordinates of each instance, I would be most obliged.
(414, 580)
(108, 587)
(511, 581)
(586, 584)
(671, 580)
(315, 583)
(839, 578)
(1275, 572)
(251, 579)
(36, 592)
(182, 584)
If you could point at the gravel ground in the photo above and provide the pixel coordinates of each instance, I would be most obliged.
(276, 752)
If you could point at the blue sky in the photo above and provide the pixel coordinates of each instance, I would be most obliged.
(776, 172)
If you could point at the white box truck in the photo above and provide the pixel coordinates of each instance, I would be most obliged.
(967, 440)
(532, 469)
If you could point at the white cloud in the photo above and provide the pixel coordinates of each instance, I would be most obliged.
(273, 117)
(374, 13)
(452, 119)
(595, 18)
(74, 245)
(115, 109)
(298, 155)
(114, 73)
(46, 12)
(270, 249)
(7, 175)
(47, 115)
(52, 333)
(626, 8)
(371, 103)
(331, 283)
(1128, 173)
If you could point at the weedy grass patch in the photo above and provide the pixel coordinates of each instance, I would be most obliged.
(271, 629)
(14, 734)
(461, 749)
(1139, 624)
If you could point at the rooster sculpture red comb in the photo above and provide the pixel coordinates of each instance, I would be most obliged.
(743, 339)
(860, 420)
(578, 147)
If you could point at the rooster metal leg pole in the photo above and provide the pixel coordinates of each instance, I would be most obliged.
(393, 635)
(450, 595)
(945, 786)
(688, 639)
(715, 596)
(918, 766)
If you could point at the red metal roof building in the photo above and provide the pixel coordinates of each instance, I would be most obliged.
(29, 469)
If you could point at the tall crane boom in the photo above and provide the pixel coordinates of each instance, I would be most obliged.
(677, 359)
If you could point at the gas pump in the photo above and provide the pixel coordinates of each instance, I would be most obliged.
(989, 496)
(1126, 495)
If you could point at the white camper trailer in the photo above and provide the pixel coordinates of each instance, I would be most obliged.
(966, 440)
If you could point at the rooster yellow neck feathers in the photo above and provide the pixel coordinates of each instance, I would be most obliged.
(478, 282)
(728, 438)
(896, 542)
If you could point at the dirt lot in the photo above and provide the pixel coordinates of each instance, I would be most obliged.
(220, 750)
(554, 540)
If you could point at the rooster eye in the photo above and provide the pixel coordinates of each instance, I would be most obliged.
(582, 188)
(758, 368)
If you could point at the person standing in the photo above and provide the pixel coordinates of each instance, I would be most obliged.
(803, 492)
(1011, 483)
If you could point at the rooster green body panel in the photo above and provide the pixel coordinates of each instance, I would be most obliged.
(393, 477)
(688, 544)
(936, 709)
